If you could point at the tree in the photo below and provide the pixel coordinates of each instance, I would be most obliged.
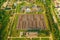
(4, 19)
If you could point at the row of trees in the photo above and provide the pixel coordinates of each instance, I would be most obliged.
(53, 26)
(4, 19)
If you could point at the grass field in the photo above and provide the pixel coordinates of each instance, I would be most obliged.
(45, 39)
(29, 39)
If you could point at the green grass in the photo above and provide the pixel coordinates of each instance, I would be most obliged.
(44, 38)
(35, 38)
(14, 32)
(20, 39)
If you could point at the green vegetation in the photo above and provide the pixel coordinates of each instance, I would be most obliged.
(13, 29)
(25, 5)
(42, 33)
(1, 2)
(35, 38)
(45, 39)
(19, 39)
(4, 19)
(53, 26)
